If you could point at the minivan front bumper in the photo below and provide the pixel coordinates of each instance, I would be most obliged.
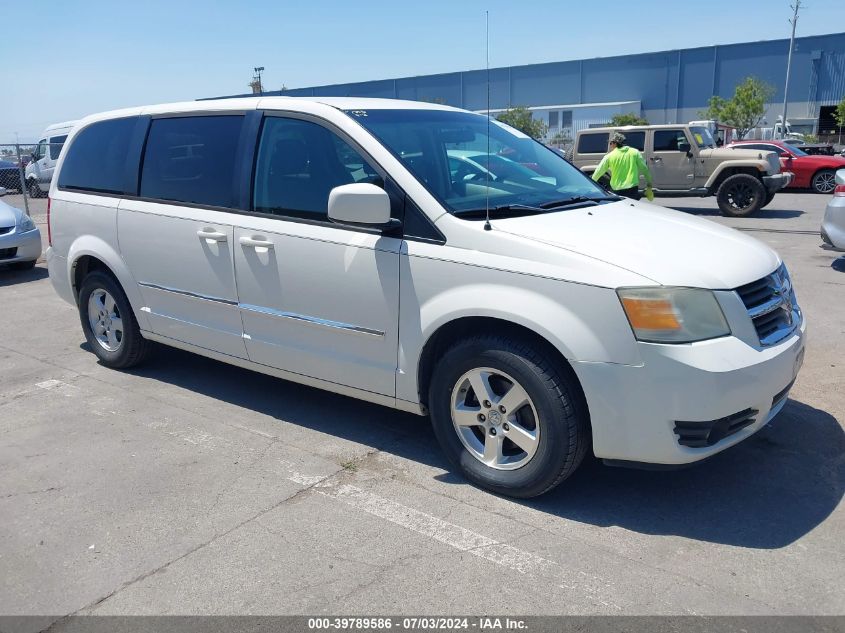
(685, 403)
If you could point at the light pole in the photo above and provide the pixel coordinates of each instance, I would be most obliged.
(793, 21)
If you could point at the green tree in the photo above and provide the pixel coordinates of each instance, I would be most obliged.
(620, 120)
(839, 115)
(745, 109)
(521, 119)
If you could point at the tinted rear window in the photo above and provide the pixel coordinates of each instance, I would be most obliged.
(192, 159)
(635, 140)
(96, 160)
(593, 143)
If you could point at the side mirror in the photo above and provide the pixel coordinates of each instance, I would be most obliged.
(840, 177)
(685, 147)
(361, 204)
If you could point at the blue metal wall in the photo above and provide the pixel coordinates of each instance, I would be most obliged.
(672, 85)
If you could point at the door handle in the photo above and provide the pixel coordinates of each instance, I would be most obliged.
(657, 159)
(255, 243)
(211, 235)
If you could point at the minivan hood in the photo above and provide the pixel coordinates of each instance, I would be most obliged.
(8, 215)
(667, 246)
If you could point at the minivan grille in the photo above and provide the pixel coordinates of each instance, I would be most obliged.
(772, 306)
(8, 253)
(700, 434)
(6, 229)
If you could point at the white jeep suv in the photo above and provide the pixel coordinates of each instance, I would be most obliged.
(534, 316)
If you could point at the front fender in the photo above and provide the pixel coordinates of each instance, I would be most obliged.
(583, 322)
(745, 164)
(98, 248)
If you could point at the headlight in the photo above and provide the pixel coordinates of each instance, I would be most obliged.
(25, 223)
(673, 315)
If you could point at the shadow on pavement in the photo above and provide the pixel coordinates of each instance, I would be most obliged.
(10, 276)
(774, 214)
(763, 493)
(838, 264)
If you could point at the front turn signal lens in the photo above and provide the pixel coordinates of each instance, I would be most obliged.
(673, 315)
(650, 314)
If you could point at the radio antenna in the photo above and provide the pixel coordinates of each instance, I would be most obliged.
(487, 226)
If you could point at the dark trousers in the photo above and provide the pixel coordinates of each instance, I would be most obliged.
(633, 193)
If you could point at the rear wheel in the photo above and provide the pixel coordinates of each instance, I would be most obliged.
(740, 195)
(824, 181)
(506, 416)
(109, 323)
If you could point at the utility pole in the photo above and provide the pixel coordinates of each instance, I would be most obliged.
(794, 22)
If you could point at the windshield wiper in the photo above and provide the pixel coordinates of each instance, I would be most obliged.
(509, 209)
(560, 204)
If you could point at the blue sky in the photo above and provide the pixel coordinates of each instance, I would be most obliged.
(75, 57)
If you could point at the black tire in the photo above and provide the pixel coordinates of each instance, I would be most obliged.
(740, 195)
(769, 198)
(824, 181)
(564, 436)
(33, 188)
(24, 265)
(132, 347)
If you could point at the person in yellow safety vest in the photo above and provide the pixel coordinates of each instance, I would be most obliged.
(626, 165)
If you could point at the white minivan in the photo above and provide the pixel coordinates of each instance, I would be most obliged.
(534, 316)
(39, 171)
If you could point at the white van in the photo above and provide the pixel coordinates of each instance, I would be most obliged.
(39, 171)
(331, 242)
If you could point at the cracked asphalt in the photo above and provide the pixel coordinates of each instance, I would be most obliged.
(188, 486)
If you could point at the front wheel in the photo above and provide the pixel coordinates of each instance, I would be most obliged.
(824, 181)
(109, 323)
(507, 416)
(740, 195)
(34, 189)
(769, 198)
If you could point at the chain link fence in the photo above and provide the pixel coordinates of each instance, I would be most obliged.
(26, 170)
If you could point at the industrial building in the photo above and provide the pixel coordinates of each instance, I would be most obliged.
(664, 87)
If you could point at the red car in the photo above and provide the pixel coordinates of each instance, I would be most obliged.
(814, 172)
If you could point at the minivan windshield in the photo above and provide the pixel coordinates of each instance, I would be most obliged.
(462, 158)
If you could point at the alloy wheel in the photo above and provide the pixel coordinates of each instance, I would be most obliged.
(825, 182)
(105, 320)
(495, 418)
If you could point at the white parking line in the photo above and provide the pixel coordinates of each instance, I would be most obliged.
(466, 540)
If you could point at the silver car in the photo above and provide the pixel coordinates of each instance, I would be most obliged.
(20, 239)
(833, 225)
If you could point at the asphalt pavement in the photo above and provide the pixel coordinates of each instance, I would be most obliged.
(188, 486)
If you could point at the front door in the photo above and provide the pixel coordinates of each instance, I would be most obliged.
(179, 249)
(671, 159)
(316, 299)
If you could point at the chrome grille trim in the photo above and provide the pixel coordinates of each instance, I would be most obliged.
(772, 306)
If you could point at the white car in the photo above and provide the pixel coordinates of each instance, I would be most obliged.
(20, 239)
(39, 171)
(325, 241)
(833, 225)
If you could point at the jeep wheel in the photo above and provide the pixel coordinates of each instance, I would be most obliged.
(506, 416)
(824, 181)
(740, 195)
(769, 198)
